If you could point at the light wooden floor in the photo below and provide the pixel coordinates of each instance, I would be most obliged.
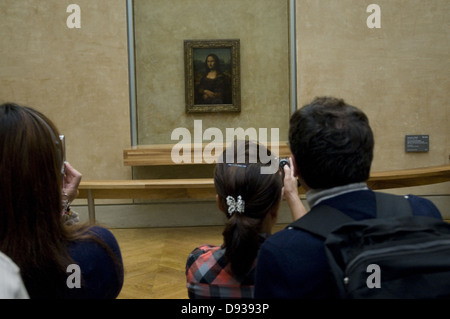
(154, 259)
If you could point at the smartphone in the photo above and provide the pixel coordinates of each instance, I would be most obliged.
(63, 155)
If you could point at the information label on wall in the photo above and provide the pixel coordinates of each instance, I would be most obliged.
(417, 143)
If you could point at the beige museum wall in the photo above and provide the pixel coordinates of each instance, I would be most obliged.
(79, 77)
(398, 74)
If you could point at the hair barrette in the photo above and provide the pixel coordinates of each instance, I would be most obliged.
(236, 165)
(234, 206)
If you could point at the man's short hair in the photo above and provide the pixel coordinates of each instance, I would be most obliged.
(332, 143)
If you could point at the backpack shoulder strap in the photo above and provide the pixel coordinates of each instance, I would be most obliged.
(320, 220)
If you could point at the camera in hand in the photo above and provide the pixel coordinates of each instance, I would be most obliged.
(285, 161)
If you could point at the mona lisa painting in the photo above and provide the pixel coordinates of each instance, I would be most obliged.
(212, 76)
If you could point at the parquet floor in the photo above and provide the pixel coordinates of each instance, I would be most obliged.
(154, 259)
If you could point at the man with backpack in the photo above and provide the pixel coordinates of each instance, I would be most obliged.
(332, 150)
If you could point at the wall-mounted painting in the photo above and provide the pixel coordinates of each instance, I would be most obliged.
(212, 75)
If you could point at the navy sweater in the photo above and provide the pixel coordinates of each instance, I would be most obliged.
(292, 262)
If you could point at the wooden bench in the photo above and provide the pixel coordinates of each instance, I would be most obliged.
(161, 154)
(203, 188)
(161, 189)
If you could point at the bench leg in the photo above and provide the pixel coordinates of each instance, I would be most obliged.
(91, 207)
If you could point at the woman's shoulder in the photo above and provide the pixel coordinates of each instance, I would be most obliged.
(95, 238)
(98, 256)
(204, 249)
(203, 253)
(102, 232)
(423, 206)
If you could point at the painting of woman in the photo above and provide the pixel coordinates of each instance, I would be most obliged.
(214, 85)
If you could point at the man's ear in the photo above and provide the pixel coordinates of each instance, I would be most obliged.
(298, 174)
(296, 171)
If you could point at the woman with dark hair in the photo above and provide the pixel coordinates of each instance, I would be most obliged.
(35, 183)
(214, 86)
(250, 200)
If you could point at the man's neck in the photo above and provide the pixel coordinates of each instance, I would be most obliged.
(315, 196)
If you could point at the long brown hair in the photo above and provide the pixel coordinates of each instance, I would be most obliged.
(261, 193)
(32, 233)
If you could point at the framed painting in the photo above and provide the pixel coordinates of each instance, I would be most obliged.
(212, 75)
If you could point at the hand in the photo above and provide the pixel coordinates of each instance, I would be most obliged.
(208, 94)
(71, 181)
(290, 192)
(290, 182)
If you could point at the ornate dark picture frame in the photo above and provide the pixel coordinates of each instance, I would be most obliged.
(212, 75)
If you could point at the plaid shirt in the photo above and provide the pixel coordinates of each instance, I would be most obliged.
(209, 275)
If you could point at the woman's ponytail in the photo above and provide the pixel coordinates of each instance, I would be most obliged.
(241, 240)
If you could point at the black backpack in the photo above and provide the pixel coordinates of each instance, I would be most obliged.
(394, 256)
